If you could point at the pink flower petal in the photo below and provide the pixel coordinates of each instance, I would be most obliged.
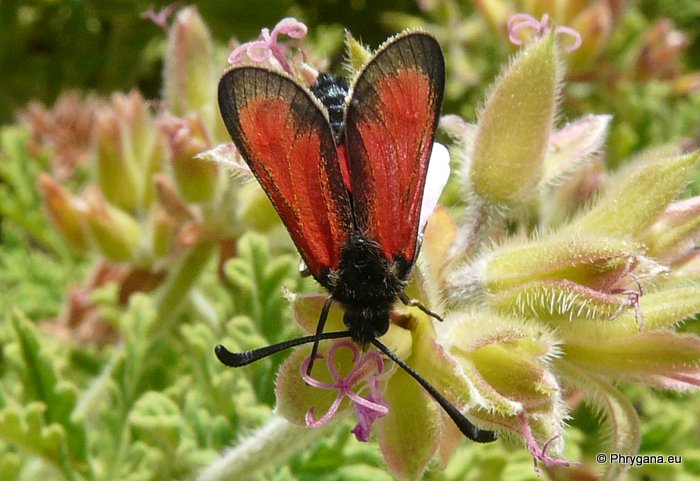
(369, 408)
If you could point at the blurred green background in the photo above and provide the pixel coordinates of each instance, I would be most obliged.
(645, 71)
(102, 46)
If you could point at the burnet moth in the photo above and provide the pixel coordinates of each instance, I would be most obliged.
(345, 171)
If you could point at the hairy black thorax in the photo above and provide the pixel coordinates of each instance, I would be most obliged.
(367, 284)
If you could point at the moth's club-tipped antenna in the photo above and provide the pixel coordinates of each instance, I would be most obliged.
(464, 425)
(239, 359)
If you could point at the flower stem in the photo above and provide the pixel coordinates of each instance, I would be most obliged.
(477, 221)
(269, 446)
(175, 291)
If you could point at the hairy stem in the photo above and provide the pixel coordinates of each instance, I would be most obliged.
(269, 446)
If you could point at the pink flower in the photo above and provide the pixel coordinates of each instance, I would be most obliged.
(368, 408)
(521, 21)
(539, 454)
(160, 17)
(266, 45)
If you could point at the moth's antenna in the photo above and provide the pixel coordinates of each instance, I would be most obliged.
(464, 425)
(238, 359)
(319, 330)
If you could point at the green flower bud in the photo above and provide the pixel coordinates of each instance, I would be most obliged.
(588, 261)
(116, 174)
(163, 228)
(661, 358)
(515, 125)
(503, 358)
(196, 180)
(115, 232)
(636, 196)
(189, 74)
(674, 234)
(129, 151)
(65, 211)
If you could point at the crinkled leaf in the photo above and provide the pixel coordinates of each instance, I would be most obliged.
(157, 419)
(210, 431)
(20, 200)
(10, 465)
(619, 414)
(26, 428)
(41, 383)
(259, 278)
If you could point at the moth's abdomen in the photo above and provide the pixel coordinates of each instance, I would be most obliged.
(332, 92)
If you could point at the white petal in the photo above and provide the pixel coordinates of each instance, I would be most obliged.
(436, 179)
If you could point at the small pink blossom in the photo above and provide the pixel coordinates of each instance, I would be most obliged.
(160, 17)
(539, 454)
(632, 301)
(266, 45)
(368, 408)
(522, 21)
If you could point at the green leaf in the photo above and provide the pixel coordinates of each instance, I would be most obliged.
(26, 428)
(259, 279)
(41, 383)
(10, 465)
(20, 201)
(156, 418)
(33, 278)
